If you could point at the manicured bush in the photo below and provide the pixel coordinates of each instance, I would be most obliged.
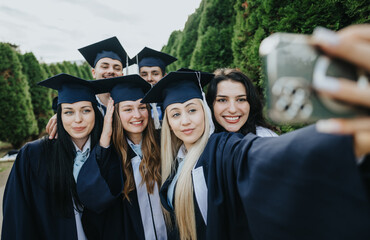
(41, 96)
(17, 120)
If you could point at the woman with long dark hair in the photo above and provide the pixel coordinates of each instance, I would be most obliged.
(236, 105)
(40, 199)
(137, 212)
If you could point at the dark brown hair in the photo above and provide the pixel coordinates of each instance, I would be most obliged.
(255, 117)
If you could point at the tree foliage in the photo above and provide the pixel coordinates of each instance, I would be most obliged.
(25, 106)
(257, 19)
(213, 47)
(17, 120)
(85, 71)
(41, 96)
(228, 33)
(172, 49)
(189, 38)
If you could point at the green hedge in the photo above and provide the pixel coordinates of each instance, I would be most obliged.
(17, 120)
(41, 96)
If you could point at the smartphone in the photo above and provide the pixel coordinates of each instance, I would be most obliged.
(290, 66)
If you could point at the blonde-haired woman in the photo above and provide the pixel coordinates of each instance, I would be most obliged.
(230, 186)
(137, 213)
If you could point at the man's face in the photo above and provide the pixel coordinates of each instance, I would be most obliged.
(107, 68)
(151, 74)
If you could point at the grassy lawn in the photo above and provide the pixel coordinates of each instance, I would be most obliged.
(4, 148)
(5, 165)
(5, 145)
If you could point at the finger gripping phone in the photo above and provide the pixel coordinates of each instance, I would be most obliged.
(290, 66)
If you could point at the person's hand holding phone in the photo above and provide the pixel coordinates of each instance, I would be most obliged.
(353, 45)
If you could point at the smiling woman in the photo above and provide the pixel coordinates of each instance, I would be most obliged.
(134, 118)
(78, 120)
(136, 213)
(40, 200)
(235, 104)
(187, 121)
(231, 108)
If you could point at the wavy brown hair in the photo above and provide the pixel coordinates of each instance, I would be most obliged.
(150, 164)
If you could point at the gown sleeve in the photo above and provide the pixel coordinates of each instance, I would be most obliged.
(100, 180)
(302, 185)
(18, 220)
(365, 173)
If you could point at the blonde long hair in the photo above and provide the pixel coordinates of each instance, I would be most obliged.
(184, 201)
(150, 164)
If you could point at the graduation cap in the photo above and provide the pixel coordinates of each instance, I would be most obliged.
(108, 48)
(178, 87)
(151, 58)
(204, 80)
(71, 89)
(125, 88)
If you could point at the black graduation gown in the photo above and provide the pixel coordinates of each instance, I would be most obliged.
(302, 185)
(100, 180)
(28, 212)
(119, 219)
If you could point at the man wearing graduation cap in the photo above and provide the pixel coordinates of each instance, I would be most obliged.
(152, 64)
(107, 59)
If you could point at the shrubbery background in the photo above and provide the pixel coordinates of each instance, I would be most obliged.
(220, 33)
(228, 33)
(25, 108)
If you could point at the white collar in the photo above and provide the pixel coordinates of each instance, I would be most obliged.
(86, 146)
(135, 147)
(182, 152)
(132, 143)
(98, 99)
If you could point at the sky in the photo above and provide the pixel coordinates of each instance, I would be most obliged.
(54, 29)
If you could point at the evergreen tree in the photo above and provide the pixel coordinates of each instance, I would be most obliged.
(213, 48)
(181, 44)
(55, 69)
(62, 67)
(41, 96)
(189, 38)
(49, 73)
(357, 10)
(86, 71)
(70, 68)
(172, 49)
(228, 33)
(46, 70)
(257, 19)
(17, 121)
(77, 70)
